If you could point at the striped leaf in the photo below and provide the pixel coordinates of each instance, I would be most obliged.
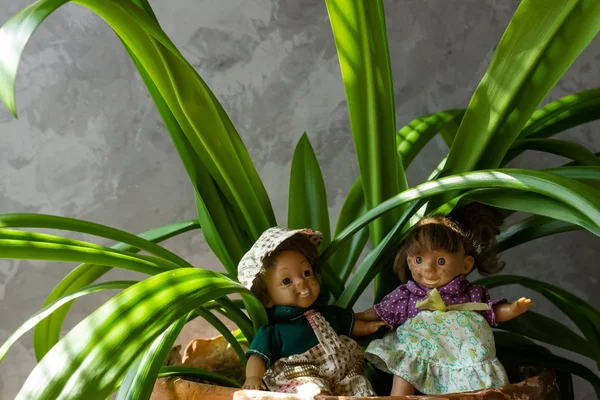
(198, 373)
(569, 191)
(307, 201)
(49, 309)
(343, 260)
(47, 332)
(547, 330)
(562, 114)
(413, 137)
(93, 357)
(531, 228)
(140, 378)
(585, 317)
(542, 40)
(360, 36)
(565, 148)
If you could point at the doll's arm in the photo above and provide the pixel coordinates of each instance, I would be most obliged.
(255, 369)
(508, 311)
(367, 315)
(363, 328)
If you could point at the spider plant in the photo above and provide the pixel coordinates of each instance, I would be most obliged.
(121, 346)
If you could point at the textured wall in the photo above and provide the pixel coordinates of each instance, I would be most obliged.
(90, 144)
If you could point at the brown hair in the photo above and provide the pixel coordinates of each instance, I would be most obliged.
(473, 228)
(299, 243)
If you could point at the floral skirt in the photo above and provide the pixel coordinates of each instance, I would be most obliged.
(335, 366)
(441, 352)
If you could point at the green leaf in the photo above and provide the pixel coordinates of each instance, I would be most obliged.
(520, 353)
(585, 317)
(569, 191)
(413, 137)
(220, 225)
(198, 373)
(570, 111)
(564, 148)
(47, 310)
(307, 206)
(23, 220)
(381, 256)
(343, 260)
(518, 200)
(140, 378)
(201, 117)
(359, 31)
(531, 228)
(47, 332)
(547, 330)
(233, 312)
(94, 356)
(542, 40)
(32, 249)
(224, 331)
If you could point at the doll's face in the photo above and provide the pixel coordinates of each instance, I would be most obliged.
(291, 281)
(434, 269)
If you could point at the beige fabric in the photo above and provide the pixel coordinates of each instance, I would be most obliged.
(251, 263)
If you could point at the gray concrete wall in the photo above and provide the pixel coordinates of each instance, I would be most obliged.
(89, 143)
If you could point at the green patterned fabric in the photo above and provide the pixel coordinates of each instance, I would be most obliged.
(441, 352)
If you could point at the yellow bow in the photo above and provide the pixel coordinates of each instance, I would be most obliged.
(434, 302)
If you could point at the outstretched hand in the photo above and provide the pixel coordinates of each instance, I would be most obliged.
(506, 311)
(363, 328)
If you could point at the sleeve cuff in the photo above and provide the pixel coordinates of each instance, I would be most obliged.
(261, 355)
(491, 304)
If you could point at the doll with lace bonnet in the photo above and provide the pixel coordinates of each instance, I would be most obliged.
(442, 340)
(305, 348)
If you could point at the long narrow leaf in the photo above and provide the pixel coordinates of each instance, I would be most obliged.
(416, 134)
(234, 312)
(139, 381)
(198, 373)
(91, 359)
(343, 260)
(219, 224)
(47, 332)
(531, 228)
(562, 114)
(359, 32)
(522, 354)
(52, 307)
(578, 195)
(307, 202)
(564, 148)
(585, 317)
(90, 228)
(521, 201)
(542, 40)
(224, 331)
(29, 250)
(547, 330)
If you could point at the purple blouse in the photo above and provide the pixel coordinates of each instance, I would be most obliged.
(400, 305)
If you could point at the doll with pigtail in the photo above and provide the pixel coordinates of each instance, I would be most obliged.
(442, 341)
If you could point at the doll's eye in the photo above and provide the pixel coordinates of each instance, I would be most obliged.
(419, 260)
(307, 273)
(441, 261)
(286, 281)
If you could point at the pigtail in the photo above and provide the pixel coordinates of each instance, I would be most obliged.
(401, 266)
(481, 225)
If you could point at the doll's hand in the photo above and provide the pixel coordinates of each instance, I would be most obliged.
(254, 383)
(520, 306)
(506, 311)
(363, 328)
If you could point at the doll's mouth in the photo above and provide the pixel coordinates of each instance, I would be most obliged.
(304, 293)
(430, 282)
